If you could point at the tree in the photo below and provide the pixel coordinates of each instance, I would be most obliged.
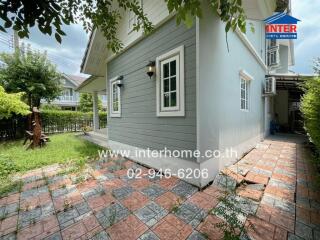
(50, 15)
(310, 105)
(11, 104)
(86, 102)
(32, 74)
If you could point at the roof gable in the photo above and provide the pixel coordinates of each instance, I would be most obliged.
(281, 18)
(73, 80)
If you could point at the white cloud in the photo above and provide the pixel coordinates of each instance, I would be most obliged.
(67, 55)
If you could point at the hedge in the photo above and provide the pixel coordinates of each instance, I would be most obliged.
(69, 121)
(310, 108)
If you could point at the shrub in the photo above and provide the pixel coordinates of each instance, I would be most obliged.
(55, 115)
(64, 121)
(50, 107)
(7, 166)
(10, 103)
(310, 108)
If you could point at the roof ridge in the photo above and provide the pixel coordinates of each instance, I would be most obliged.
(274, 17)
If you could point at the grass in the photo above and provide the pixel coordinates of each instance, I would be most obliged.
(7, 186)
(63, 148)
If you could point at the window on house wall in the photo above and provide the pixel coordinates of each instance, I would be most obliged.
(245, 81)
(272, 43)
(115, 101)
(170, 83)
(67, 94)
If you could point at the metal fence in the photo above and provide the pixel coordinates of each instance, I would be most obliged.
(14, 128)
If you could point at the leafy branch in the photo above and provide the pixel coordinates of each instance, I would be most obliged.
(51, 15)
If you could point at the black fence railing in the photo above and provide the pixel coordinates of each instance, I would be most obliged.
(13, 128)
(51, 122)
(75, 126)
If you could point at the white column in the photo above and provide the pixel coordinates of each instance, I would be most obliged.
(95, 111)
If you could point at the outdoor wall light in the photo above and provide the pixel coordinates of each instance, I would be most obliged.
(151, 68)
(119, 81)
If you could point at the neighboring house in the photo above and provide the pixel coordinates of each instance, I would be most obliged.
(201, 97)
(70, 98)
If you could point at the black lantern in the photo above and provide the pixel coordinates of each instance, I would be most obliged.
(119, 81)
(151, 68)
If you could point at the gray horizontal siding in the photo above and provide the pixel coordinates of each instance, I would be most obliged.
(139, 125)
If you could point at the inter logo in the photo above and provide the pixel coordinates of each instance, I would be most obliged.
(281, 26)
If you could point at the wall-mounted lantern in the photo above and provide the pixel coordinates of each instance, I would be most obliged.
(151, 68)
(119, 81)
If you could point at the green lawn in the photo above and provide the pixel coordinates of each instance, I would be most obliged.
(62, 148)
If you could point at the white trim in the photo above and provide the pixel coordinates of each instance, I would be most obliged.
(247, 78)
(177, 76)
(180, 110)
(70, 80)
(89, 50)
(198, 83)
(112, 113)
(291, 50)
(251, 48)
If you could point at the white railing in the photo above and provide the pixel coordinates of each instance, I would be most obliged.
(68, 98)
(273, 56)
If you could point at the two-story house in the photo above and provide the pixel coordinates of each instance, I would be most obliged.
(70, 98)
(201, 98)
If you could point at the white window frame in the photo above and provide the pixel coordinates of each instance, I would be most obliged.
(246, 78)
(113, 82)
(179, 110)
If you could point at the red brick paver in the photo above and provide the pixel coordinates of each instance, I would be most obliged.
(210, 229)
(129, 228)
(172, 227)
(168, 200)
(135, 201)
(287, 202)
(204, 200)
(257, 178)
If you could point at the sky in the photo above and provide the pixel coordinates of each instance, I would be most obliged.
(307, 46)
(68, 55)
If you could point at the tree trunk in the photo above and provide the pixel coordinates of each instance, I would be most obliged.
(37, 103)
(30, 116)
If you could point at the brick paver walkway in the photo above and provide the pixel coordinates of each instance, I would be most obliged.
(275, 178)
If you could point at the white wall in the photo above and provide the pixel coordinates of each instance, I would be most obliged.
(257, 36)
(284, 59)
(156, 12)
(221, 123)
